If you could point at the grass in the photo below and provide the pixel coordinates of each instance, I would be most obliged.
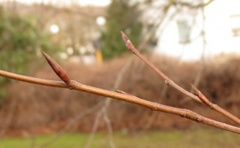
(196, 138)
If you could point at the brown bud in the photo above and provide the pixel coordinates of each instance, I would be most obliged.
(201, 96)
(57, 68)
(127, 42)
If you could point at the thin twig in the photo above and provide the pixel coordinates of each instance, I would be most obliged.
(70, 124)
(131, 47)
(201, 5)
(107, 102)
(201, 67)
(94, 129)
(215, 107)
(109, 127)
(168, 81)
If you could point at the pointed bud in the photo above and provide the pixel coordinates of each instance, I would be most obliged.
(201, 96)
(125, 93)
(57, 68)
(128, 43)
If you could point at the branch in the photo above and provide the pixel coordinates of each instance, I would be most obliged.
(200, 97)
(215, 107)
(201, 5)
(168, 81)
(123, 97)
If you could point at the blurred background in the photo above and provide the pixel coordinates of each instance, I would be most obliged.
(194, 42)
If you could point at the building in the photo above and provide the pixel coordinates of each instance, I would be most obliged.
(195, 33)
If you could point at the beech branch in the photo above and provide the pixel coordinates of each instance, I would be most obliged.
(120, 95)
(199, 97)
(168, 81)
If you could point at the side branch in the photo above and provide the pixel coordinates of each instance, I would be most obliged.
(168, 81)
(215, 107)
(199, 97)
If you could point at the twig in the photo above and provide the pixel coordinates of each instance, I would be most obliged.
(200, 96)
(192, 6)
(128, 98)
(131, 47)
(102, 113)
(107, 102)
(215, 107)
(168, 81)
(94, 129)
(109, 127)
(71, 123)
(204, 42)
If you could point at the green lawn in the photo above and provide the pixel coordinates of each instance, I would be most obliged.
(197, 138)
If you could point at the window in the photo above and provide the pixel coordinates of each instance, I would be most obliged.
(183, 31)
(235, 24)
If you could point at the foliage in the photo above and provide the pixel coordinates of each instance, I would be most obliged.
(21, 42)
(120, 16)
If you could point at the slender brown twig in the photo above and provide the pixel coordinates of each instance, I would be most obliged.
(192, 6)
(168, 81)
(125, 97)
(200, 97)
(71, 123)
(107, 103)
(215, 107)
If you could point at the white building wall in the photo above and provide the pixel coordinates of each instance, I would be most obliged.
(218, 32)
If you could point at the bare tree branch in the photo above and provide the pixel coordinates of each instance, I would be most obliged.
(168, 81)
(191, 5)
(200, 97)
(126, 97)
